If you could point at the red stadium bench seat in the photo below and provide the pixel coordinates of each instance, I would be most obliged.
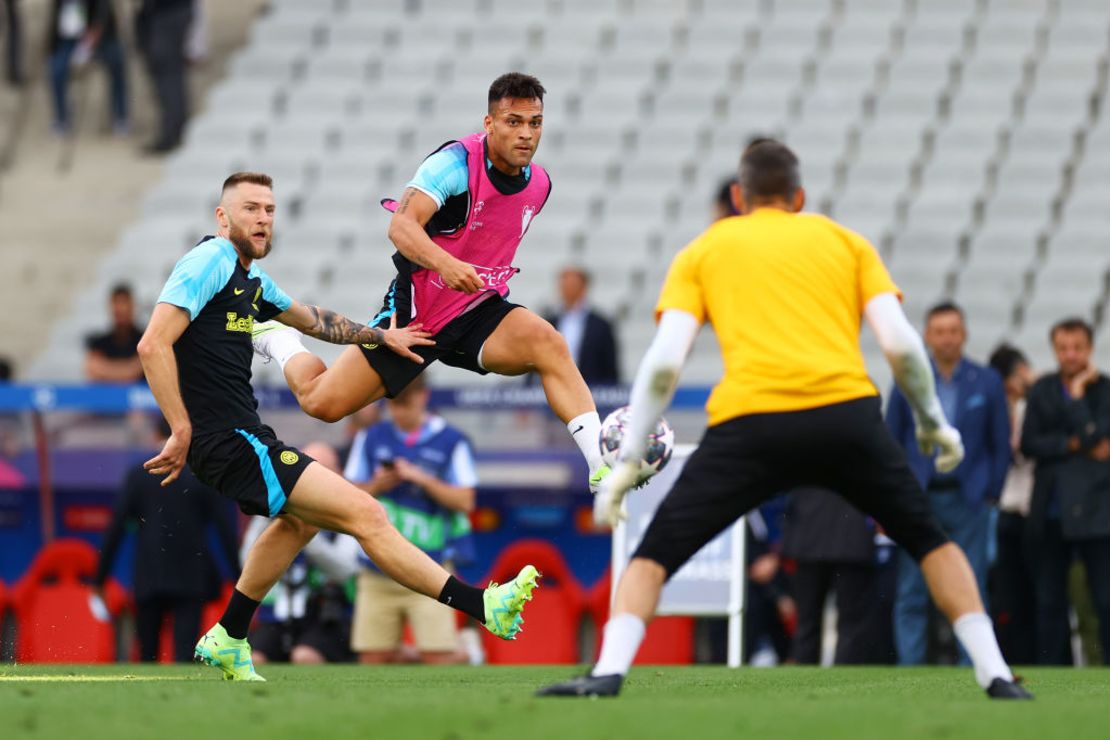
(54, 621)
(668, 641)
(551, 619)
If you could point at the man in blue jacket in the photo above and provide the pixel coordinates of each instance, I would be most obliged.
(974, 401)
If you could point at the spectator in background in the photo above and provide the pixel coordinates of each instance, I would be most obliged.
(13, 43)
(1067, 435)
(80, 31)
(833, 547)
(366, 416)
(10, 477)
(975, 404)
(161, 28)
(1012, 601)
(174, 573)
(113, 357)
(422, 470)
(723, 207)
(589, 335)
(306, 617)
(769, 611)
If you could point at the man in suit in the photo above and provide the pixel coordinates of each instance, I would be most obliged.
(590, 336)
(974, 400)
(1067, 434)
(833, 547)
(174, 570)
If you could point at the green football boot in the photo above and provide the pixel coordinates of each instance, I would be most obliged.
(231, 656)
(505, 604)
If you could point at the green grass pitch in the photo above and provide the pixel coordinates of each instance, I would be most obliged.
(696, 703)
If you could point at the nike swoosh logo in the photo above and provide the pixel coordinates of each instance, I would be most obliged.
(238, 291)
(576, 431)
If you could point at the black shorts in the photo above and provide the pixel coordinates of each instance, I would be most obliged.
(276, 640)
(458, 344)
(739, 464)
(251, 466)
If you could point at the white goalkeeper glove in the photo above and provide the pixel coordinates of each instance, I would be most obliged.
(608, 500)
(946, 442)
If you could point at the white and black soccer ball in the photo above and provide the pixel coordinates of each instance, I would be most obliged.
(659, 449)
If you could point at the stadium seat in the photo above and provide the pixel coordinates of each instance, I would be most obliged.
(54, 620)
(551, 619)
(668, 641)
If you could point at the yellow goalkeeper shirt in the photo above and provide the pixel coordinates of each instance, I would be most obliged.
(785, 294)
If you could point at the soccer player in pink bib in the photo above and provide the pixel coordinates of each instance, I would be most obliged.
(457, 228)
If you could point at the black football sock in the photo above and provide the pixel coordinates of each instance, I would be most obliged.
(464, 597)
(237, 618)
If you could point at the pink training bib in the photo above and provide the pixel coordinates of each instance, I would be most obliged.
(488, 240)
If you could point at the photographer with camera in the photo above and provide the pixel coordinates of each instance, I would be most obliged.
(306, 617)
(422, 470)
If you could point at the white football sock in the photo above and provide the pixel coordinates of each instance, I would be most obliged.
(623, 635)
(976, 633)
(585, 429)
(282, 345)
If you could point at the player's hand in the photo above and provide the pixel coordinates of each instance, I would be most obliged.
(171, 459)
(610, 494)
(400, 340)
(945, 441)
(459, 275)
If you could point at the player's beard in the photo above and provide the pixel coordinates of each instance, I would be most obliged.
(242, 241)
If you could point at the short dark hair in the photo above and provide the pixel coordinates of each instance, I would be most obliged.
(121, 289)
(6, 371)
(724, 197)
(254, 178)
(515, 85)
(1006, 359)
(1072, 323)
(768, 171)
(943, 307)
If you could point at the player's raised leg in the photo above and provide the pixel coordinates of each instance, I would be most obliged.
(524, 342)
(325, 393)
(324, 499)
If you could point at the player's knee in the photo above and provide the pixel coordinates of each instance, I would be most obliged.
(550, 348)
(368, 518)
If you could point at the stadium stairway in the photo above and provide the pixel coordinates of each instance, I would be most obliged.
(64, 203)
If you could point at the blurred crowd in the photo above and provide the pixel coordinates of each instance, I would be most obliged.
(168, 35)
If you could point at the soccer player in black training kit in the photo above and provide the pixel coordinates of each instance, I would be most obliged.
(197, 352)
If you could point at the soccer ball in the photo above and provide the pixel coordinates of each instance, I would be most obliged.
(659, 449)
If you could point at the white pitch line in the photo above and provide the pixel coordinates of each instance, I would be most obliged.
(84, 679)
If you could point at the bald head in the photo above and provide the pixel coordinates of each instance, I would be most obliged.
(324, 454)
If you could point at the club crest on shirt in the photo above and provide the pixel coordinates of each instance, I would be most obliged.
(526, 218)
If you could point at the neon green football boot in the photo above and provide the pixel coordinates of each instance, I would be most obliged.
(505, 604)
(233, 657)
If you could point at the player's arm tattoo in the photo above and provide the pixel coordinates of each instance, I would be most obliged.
(405, 200)
(337, 329)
